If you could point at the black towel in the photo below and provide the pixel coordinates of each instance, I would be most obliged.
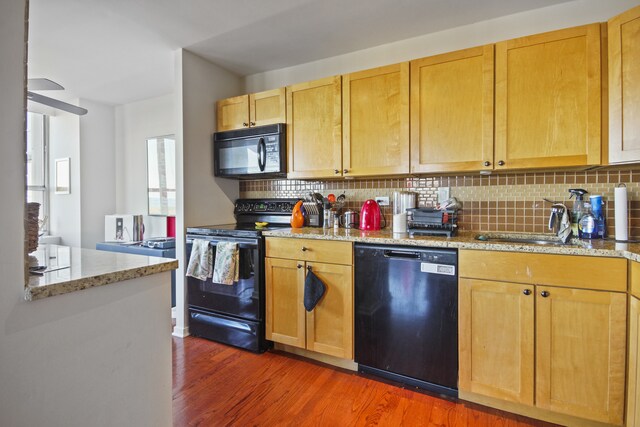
(314, 289)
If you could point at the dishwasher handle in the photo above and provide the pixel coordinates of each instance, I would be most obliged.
(394, 253)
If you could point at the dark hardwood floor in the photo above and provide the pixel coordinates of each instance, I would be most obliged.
(217, 385)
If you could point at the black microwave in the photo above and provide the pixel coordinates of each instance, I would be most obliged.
(252, 153)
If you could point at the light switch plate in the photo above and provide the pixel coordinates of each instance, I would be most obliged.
(382, 201)
(443, 194)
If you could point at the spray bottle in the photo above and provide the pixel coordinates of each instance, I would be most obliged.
(578, 208)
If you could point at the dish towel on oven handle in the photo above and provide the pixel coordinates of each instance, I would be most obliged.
(200, 260)
(226, 268)
(314, 290)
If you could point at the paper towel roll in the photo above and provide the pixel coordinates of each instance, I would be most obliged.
(621, 213)
(400, 223)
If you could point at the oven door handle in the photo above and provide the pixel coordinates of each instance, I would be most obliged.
(262, 154)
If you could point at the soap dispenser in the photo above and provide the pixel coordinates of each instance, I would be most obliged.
(578, 209)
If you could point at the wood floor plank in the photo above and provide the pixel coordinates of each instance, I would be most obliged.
(217, 385)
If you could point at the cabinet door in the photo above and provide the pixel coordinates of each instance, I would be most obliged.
(496, 339)
(633, 393)
(375, 114)
(330, 324)
(452, 111)
(548, 99)
(314, 129)
(624, 87)
(580, 352)
(232, 113)
(285, 320)
(267, 108)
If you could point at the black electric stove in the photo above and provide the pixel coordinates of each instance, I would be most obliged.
(235, 314)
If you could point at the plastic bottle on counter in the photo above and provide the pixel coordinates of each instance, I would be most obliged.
(587, 225)
(597, 209)
(578, 208)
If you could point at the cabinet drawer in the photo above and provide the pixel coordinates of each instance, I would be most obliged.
(574, 271)
(310, 250)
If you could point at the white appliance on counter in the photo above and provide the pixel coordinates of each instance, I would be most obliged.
(123, 228)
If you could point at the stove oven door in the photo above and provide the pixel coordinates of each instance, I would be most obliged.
(243, 299)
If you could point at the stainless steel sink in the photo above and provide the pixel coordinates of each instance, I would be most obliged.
(524, 239)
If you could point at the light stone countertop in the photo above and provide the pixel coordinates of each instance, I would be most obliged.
(467, 240)
(74, 269)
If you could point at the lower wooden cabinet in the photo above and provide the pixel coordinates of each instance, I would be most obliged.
(496, 339)
(328, 328)
(580, 352)
(633, 378)
(554, 348)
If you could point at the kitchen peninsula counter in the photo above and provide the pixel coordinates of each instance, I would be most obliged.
(73, 269)
(467, 240)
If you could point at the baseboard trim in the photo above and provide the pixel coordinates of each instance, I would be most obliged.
(180, 332)
(530, 411)
(324, 358)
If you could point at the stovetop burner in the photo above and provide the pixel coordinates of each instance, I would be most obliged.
(277, 212)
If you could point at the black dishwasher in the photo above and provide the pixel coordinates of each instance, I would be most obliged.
(406, 315)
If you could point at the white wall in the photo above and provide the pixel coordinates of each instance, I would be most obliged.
(202, 198)
(526, 23)
(97, 170)
(89, 142)
(70, 360)
(135, 122)
(65, 209)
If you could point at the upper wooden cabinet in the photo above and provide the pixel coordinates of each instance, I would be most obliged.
(548, 100)
(452, 111)
(375, 117)
(256, 109)
(624, 87)
(314, 129)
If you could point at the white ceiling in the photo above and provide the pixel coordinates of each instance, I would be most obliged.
(119, 51)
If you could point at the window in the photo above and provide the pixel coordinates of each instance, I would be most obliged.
(161, 175)
(37, 165)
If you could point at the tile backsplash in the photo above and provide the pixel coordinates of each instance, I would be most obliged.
(506, 202)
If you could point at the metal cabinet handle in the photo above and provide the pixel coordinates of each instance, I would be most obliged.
(527, 292)
(304, 249)
(336, 171)
(299, 265)
(252, 123)
(544, 294)
(309, 267)
(245, 124)
(487, 163)
(345, 171)
(501, 163)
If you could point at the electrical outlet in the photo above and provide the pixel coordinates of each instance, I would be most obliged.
(443, 194)
(382, 201)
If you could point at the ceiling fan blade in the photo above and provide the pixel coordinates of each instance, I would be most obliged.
(43, 84)
(60, 105)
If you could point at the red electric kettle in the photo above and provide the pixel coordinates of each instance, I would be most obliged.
(370, 215)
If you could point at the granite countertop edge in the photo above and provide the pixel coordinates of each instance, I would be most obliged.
(466, 240)
(39, 287)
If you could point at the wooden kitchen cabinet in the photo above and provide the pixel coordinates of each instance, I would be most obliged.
(624, 87)
(633, 376)
(256, 109)
(285, 320)
(375, 117)
(580, 352)
(327, 329)
(452, 111)
(314, 129)
(496, 342)
(578, 335)
(548, 100)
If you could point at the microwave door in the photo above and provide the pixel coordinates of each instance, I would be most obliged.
(238, 157)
